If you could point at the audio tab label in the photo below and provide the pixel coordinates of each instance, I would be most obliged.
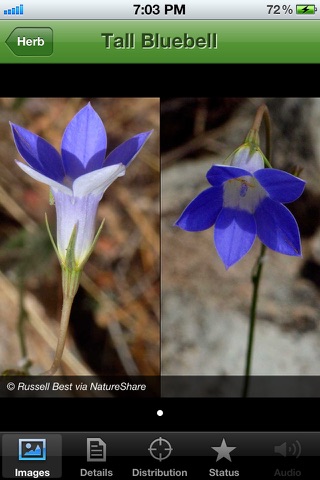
(292, 472)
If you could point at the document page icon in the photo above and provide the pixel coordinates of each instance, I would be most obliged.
(96, 450)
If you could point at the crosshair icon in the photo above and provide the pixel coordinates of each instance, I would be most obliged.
(160, 449)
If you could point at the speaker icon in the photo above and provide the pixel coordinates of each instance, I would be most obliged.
(293, 450)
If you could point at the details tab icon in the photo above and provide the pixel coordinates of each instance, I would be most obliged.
(96, 450)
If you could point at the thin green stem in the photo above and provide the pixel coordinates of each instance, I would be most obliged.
(256, 276)
(21, 327)
(65, 316)
(262, 114)
(21, 320)
(70, 283)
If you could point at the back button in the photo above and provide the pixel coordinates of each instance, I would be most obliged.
(31, 42)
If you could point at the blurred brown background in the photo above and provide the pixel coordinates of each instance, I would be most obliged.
(115, 324)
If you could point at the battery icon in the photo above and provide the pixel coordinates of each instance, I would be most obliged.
(305, 9)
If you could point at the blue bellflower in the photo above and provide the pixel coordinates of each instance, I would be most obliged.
(245, 201)
(79, 176)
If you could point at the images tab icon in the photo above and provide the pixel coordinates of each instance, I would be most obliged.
(33, 454)
(32, 449)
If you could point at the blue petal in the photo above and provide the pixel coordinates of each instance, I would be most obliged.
(234, 235)
(38, 153)
(96, 182)
(218, 174)
(127, 151)
(202, 212)
(44, 179)
(277, 228)
(84, 143)
(280, 185)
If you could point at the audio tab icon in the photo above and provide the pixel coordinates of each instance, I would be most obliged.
(293, 450)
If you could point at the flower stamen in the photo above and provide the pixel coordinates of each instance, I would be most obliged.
(243, 193)
(244, 188)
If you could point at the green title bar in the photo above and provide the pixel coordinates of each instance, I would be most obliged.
(181, 41)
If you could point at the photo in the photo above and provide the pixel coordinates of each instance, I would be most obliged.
(240, 239)
(80, 246)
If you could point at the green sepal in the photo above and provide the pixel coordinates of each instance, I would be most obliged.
(266, 161)
(253, 139)
(51, 198)
(51, 238)
(70, 281)
(71, 271)
(92, 245)
(70, 261)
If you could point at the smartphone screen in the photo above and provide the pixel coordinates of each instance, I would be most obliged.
(159, 249)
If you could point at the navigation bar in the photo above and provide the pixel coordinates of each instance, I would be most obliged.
(201, 42)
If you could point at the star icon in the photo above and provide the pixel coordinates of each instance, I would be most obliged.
(223, 451)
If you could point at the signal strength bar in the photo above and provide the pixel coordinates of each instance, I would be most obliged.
(18, 10)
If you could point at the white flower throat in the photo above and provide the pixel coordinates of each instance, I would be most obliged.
(243, 193)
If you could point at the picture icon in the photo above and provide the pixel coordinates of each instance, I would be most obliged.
(32, 449)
